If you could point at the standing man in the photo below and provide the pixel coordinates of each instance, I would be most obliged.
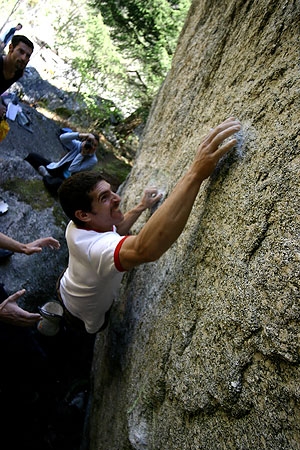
(100, 249)
(10, 34)
(13, 64)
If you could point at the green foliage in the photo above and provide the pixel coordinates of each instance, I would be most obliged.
(116, 49)
(121, 48)
(26, 191)
(94, 58)
(97, 68)
(145, 33)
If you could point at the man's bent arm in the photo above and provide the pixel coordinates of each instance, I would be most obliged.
(150, 198)
(167, 223)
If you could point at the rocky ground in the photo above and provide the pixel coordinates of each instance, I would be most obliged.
(45, 380)
(41, 376)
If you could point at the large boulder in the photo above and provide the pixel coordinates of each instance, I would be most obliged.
(202, 351)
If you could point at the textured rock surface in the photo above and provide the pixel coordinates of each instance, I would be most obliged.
(32, 212)
(44, 381)
(203, 347)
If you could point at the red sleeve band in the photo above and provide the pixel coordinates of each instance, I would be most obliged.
(117, 257)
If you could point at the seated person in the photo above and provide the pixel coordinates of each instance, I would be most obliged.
(81, 156)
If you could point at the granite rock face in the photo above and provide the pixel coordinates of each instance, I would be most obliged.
(202, 351)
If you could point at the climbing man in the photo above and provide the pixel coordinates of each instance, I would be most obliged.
(100, 246)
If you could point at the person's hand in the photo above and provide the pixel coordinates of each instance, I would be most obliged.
(151, 197)
(211, 149)
(2, 111)
(37, 246)
(11, 313)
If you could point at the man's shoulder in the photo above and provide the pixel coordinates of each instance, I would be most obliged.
(73, 229)
(84, 241)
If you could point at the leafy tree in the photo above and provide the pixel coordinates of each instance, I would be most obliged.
(14, 8)
(145, 33)
(116, 49)
(96, 68)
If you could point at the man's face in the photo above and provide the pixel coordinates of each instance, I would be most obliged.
(20, 55)
(105, 208)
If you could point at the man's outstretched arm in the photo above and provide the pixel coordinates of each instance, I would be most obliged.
(167, 223)
(32, 247)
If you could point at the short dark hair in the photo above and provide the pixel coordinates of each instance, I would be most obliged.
(17, 38)
(74, 192)
(96, 136)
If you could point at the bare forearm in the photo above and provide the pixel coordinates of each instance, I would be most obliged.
(129, 219)
(150, 198)
(164, 227)
(30, 248)
(10, 244)
(167, 223)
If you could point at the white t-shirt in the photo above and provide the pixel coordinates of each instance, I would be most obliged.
(94, 274)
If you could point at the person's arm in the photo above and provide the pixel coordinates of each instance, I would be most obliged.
(167, 223)
(150, 198)
(30, 248)
(11, 313)
(84, 136)
(67, 138)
